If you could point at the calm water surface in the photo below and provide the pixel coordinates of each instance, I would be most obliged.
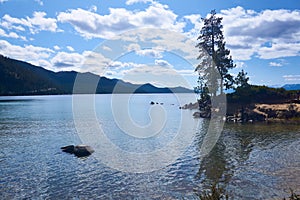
(253, 161)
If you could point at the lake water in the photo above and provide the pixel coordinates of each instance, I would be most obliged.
(252, 161)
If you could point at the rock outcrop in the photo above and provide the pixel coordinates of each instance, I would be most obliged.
(283, 112)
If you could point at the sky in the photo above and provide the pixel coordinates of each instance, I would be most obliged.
(152, 40)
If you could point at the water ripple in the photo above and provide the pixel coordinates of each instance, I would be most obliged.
(251, 162)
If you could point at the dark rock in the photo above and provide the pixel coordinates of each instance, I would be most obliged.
(233, 119)
(205, 114)
(191, 106)
(152, 103)
(197, 115)
(68, 149)
(83, 151)
(202, 114)
(79, 150)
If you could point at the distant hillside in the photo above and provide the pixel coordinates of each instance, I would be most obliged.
(21, 78)
(254, 94)
(292, 86)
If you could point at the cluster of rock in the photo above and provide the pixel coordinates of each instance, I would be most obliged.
(254, 113)
(153, 103)
(267, 112)
(246, 115)
(202, 113)
(191, 106)
(279, 111)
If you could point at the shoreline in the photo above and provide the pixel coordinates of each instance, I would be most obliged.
(285, 113)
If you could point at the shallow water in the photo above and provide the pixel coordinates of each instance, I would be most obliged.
(253, 161)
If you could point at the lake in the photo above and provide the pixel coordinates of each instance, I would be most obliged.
(140, 158)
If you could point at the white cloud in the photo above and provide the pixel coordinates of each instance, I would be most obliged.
(247, 32)
(95, 62)
(130, 2)
(2, 1)
(11, 35)
(56, 48)
(158, 42)
(240, 64)
(9, 22)
(149, 52)
(291, 77)
(40, 2)
(186, 72)
(163, 63)
(278, 63)
(70, 48)
(91, 25)
(117, 65)
(35, 24)
(279, 50)
(196, 21)
(151, 70)
(87, 61)
(275, 64)
(133, 47)
(106, 48)
(93, 8)
(29, 53)
(67, 60)
(40, 23)
(156, 75)
(35, 55)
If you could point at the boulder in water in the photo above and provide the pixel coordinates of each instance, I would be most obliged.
(79, 150)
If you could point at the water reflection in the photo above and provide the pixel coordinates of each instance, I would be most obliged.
(251, 161)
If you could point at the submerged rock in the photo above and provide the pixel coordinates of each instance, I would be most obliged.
(79, 150)
(202, 114)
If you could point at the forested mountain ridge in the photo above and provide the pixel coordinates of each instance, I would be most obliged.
(21, 78)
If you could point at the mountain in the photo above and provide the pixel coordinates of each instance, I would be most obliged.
(292, 86)
(21, 78)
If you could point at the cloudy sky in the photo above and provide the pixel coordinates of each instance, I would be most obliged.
(152, 40)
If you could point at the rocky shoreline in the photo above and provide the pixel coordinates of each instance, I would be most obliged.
(260, 112)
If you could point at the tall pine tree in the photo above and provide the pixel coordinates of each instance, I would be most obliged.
(215, 59)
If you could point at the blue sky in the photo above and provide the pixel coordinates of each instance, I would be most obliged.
(118, 39)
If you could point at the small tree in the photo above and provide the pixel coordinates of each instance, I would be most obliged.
(242, 80)
(215, 61)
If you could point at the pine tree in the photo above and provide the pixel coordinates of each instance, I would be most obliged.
(242, 80)
(215, 59)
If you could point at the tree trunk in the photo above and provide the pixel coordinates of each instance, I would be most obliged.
(221, 86)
